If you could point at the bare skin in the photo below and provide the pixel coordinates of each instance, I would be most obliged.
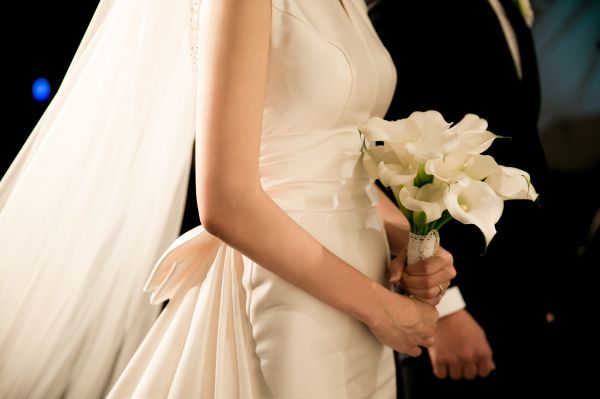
(461, 349)
(423, 279)
(231, 84)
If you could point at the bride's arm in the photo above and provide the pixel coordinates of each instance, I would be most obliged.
(232, 69)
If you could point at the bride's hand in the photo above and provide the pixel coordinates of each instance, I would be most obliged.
(426, 280)
(402, 323)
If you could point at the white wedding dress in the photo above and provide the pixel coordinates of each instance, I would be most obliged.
(231, 329)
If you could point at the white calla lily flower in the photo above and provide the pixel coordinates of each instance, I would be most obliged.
(382, 162)
(399, 132)
(425, 152)
(475, 203)
(391, 153)
(433, 166)
(435, 139)
(448, 169)
(428, 199)
(396, 175)
(475, 142)
(478, 167)
(473, 134)
(511, 183)
(470, 122)
(429, 122)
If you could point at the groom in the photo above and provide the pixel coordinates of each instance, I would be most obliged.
(477, 56)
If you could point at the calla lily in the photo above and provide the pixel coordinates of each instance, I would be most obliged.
(428, 199)
(423, 135)
(429, 149)
(399, 132)
(429, 122)
(511, 183)
(438, 140)
(448, 169)
(390, 153)
(473, 134)
(435, 139)
(437, 172)
(396, 175)
(475, 203)
(475, 142)
(470, 122)
(478, 167)
(458, 167)
(382, 159)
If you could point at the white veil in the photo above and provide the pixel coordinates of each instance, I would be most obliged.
(92, 200)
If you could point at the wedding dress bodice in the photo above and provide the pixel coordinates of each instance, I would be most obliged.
(324, 80)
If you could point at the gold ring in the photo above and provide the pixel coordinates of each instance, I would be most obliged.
(442, 290)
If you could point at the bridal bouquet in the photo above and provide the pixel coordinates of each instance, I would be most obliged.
(437, 173)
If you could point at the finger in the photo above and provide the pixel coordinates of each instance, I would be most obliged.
(426, 282)
(414, 351)
(445, 255)
(440, 369)
(433, 264)
(486, 367)
(443, 276)
(428, 342)
(428, 293)
(396, 268)
(432, 301)
(470, 370)
(427, 266)
(455, 371)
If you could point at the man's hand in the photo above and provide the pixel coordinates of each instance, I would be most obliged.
(461, 349)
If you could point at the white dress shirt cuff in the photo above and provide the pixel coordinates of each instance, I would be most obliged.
(451, 302)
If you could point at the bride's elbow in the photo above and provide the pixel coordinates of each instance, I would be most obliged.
(220, 207)
(213, 216)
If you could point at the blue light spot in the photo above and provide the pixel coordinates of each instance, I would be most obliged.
(41, 89)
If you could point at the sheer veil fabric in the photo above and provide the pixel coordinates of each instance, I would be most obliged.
(92, 200)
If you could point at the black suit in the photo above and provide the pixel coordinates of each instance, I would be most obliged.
(452, 56)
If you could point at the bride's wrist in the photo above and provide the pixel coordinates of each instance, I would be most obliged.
(371, 311)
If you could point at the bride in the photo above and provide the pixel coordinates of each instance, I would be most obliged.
(281, 292)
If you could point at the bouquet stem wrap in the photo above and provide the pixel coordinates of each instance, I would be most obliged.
(422, 246)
